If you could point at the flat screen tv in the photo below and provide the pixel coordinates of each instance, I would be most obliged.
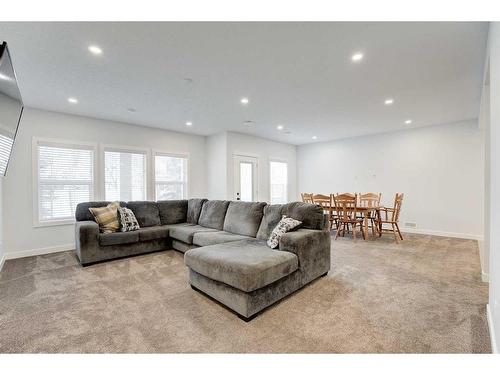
(11, 107)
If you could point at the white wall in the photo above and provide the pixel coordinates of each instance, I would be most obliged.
(216, 162)
(265, 151)
(484, 124)
(439, 168)
(494, 297)
(20, 237)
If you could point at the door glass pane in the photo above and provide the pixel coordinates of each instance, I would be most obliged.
(246, 183)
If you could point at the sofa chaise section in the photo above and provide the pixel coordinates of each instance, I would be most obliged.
(247, 276)
(246, 265)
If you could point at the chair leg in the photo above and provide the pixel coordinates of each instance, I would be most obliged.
(354, 232)
(374, 227)
(400, 235)
(363, 232)
(395, 235)
(337, 232)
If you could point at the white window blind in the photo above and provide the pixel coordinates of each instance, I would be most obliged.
(170, 177)
(279, 182)
(124, 175)
(65, 178)
(5, 147)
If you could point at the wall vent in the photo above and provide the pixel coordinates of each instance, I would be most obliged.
(410, 225)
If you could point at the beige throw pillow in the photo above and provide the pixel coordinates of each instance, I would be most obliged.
(107, 217)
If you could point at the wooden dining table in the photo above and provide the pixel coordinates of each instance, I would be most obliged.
(365, 210)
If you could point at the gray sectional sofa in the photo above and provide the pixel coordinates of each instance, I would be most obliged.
(224, 244)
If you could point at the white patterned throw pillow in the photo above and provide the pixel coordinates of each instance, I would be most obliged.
(128, 221)
(286, 224)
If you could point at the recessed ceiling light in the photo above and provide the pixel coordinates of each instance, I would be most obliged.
(389, 101)
(244, 100)
(5, 77)
(73, 100)
(280, 127)
(358, 56)
(189, 123)
(314, 137)
(132, 110)
(95, 50)
(408, 122)
(248, 122)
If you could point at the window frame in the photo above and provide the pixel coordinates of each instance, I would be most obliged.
(283, 161)
(184, 155)
(103, 148)
(52, 142)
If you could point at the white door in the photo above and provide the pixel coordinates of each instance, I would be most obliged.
(245, 178)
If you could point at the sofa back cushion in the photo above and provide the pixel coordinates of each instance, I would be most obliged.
(82, 212)
(311, 215)
(271, 218)
(146, 213)
(194, 210)
(244, 217)
(173, 212)
(213, 213)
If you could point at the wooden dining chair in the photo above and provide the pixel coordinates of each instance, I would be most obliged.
(345, 206)
(306, 197)
(390, 216)
(370, 200)
(325, 201)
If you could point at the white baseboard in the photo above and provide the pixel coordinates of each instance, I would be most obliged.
(467, 236)
(485, 277)
(491, 327)
(39, 251)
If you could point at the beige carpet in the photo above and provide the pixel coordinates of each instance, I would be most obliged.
(424, 295)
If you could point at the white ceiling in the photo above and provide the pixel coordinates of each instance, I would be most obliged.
(296, 74)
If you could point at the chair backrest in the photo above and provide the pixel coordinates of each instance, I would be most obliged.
(345, 205)
(369, 199)
(398, 202)
(322, 200)
(307, 197)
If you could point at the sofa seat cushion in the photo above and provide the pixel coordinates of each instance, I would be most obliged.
(152, 233)
(246, 265)
(214, 238)
(185, 233)
(118, 238)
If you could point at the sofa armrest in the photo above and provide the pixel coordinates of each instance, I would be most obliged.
(312, 248)
(86, 239)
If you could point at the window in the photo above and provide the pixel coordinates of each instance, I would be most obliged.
(170, 176)
(279, 182)
(65, 177)
(124, 175)
(6, 143)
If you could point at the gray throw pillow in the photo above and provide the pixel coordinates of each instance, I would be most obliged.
(286, 224)
(128, 221)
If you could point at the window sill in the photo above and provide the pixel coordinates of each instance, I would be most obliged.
(53, 223)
